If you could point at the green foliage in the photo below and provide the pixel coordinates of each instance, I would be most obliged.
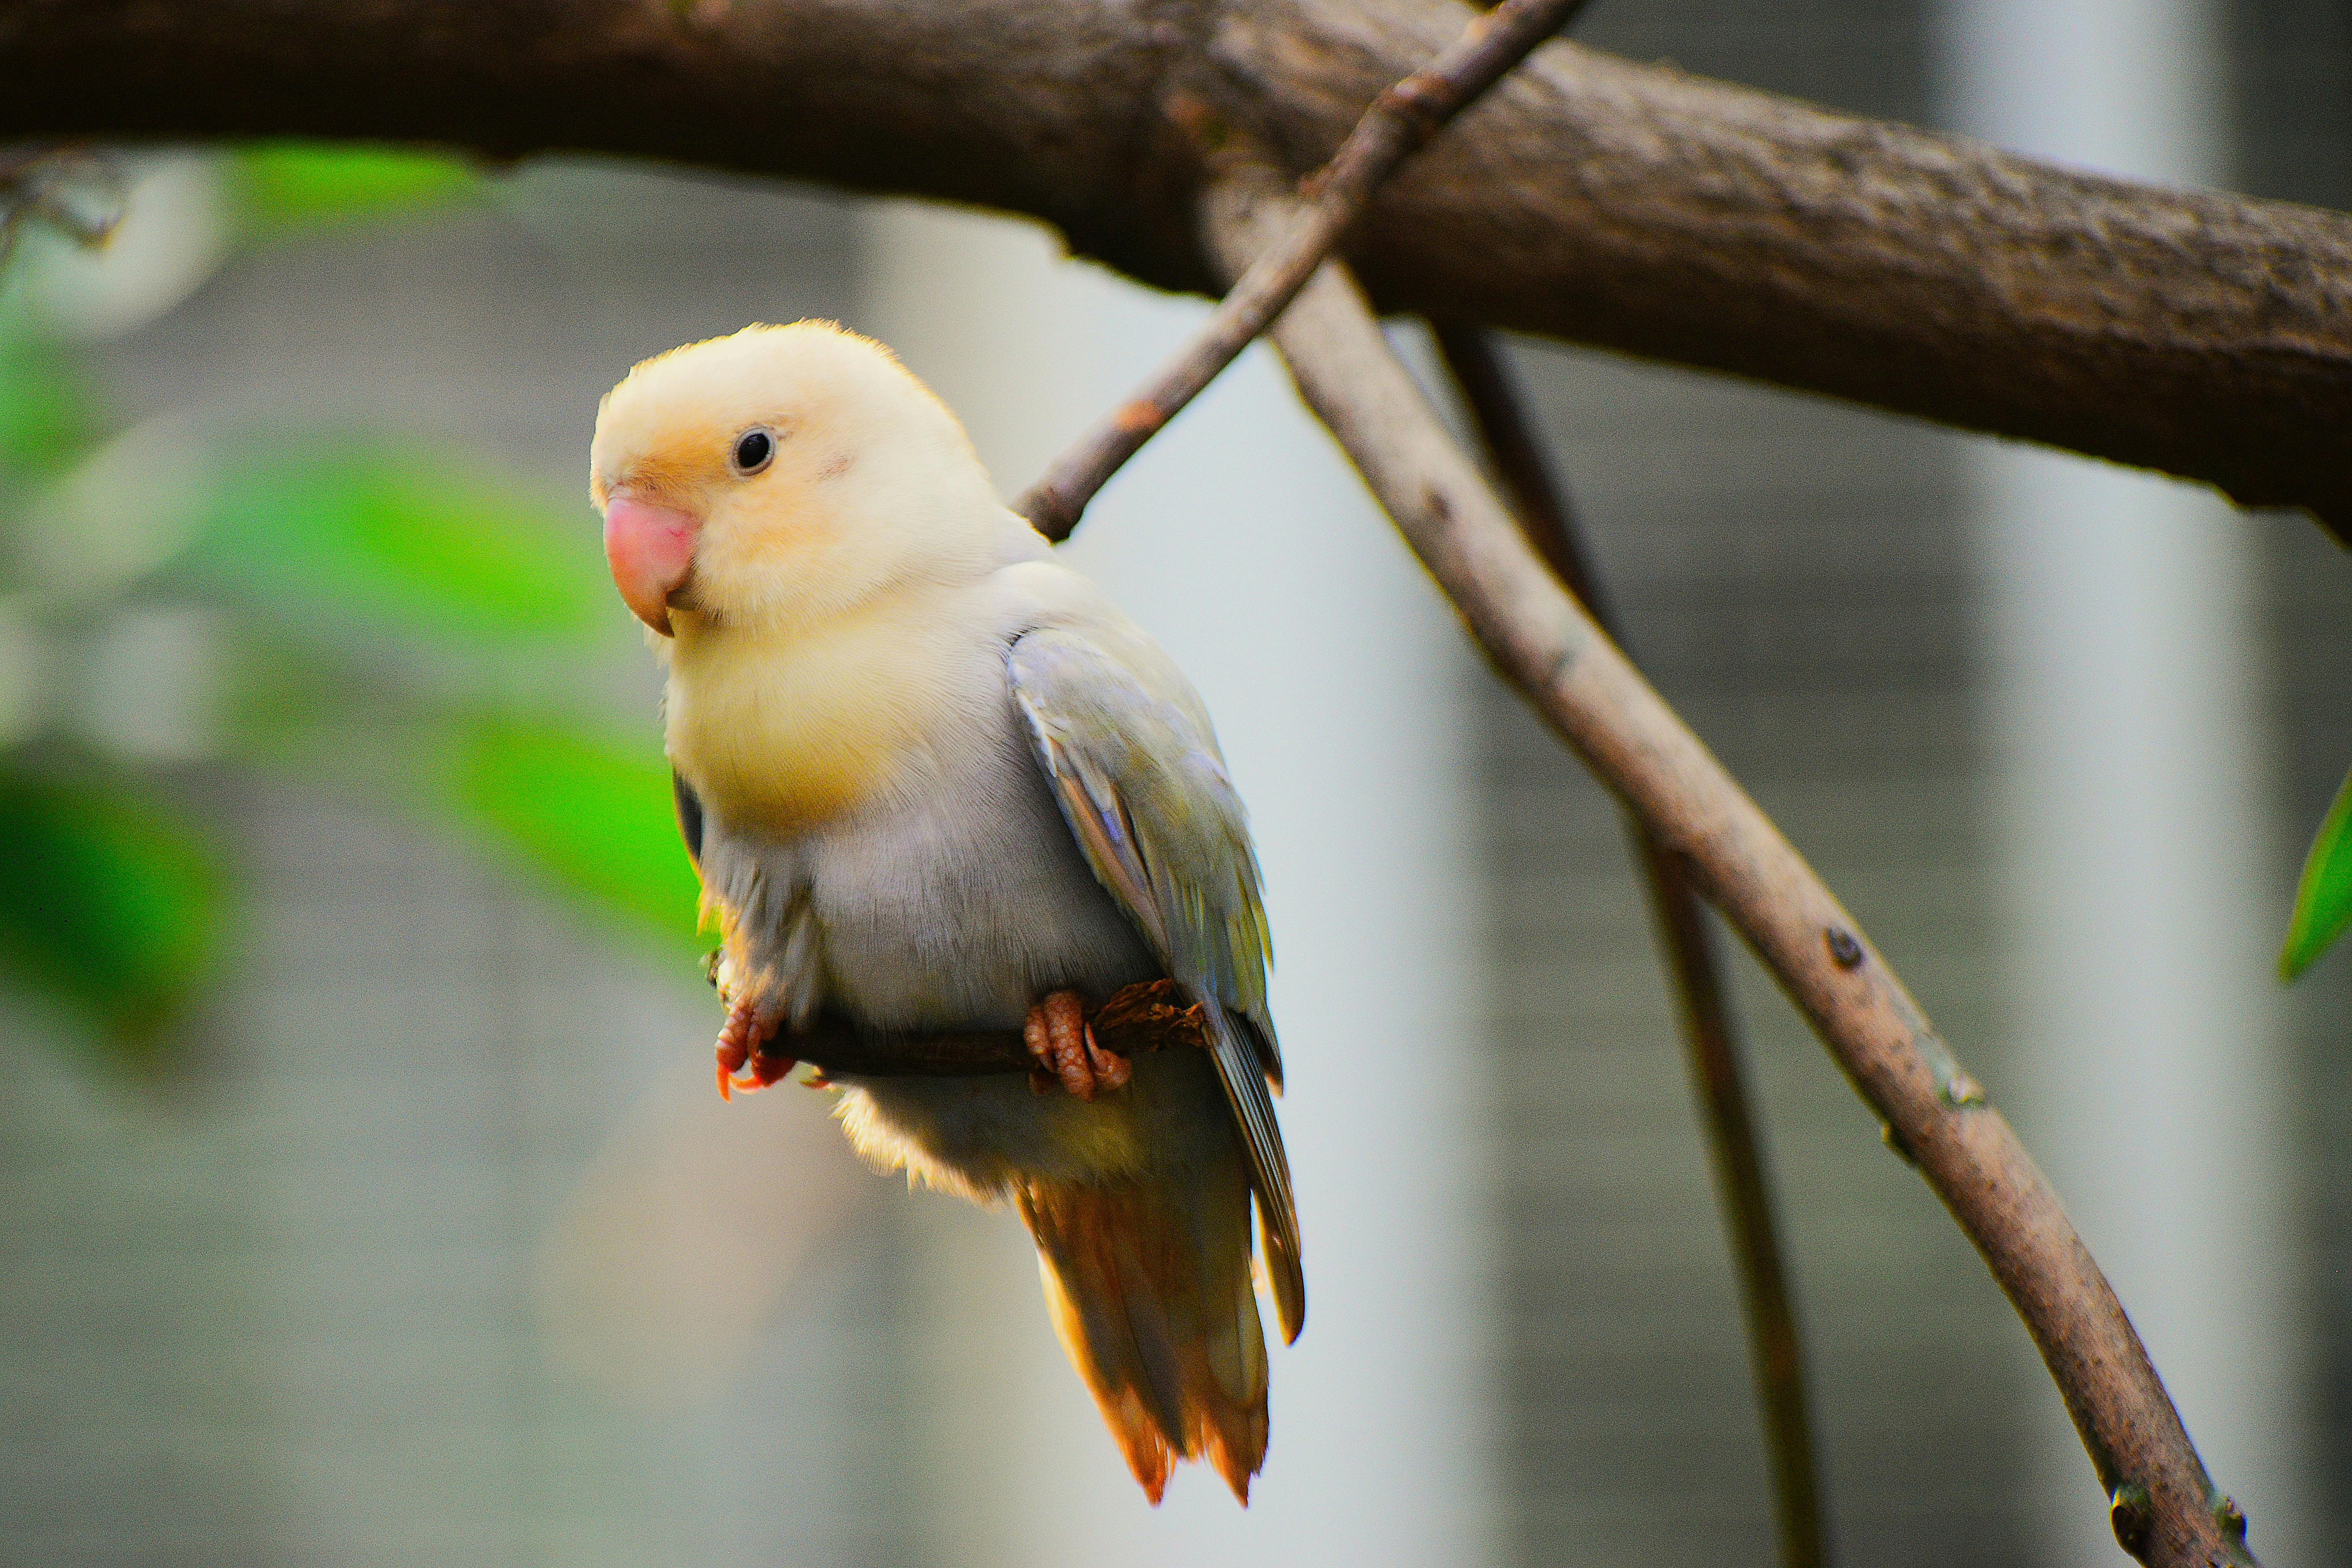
(287, 182)
(398, 542)
(105, 903)
(596, 816)
(2323, 901)
(352, 566)
(45, 419)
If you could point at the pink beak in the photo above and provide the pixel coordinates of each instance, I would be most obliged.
(651, 549)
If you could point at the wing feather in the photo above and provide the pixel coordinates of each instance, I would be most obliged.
(1141, 785)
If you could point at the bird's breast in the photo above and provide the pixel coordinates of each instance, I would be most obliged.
(873, 774)
(785, 732)
(966, 900)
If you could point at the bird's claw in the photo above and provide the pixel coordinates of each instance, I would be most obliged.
(1068, 1051)
(743, 1050)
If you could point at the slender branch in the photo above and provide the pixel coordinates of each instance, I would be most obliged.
(1400, 122)
(2164, 1508)
(1694, 969)
(1592, 198)
(1146, 1016)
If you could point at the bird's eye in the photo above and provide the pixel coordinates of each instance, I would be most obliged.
(753, 449)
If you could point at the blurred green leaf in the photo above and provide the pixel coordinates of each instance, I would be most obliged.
(46, 418)
(105, 903)
(285, 704)
(596, 816)
(2323, 903)
(403, 542)
(306, 182)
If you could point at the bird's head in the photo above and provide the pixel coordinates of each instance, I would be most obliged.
(783, 474)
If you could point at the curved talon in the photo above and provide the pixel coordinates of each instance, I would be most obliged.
(733, 1052)
(740, 1047)
(1112, 1069)
(765, 1070)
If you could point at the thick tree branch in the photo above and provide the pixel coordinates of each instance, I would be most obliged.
(1694, 971)
(2165, 1508)
(1588, 198)
(1400, 122)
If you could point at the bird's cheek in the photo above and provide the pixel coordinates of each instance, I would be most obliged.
(651, 549)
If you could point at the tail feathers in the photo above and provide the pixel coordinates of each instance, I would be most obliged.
(1149, 1289)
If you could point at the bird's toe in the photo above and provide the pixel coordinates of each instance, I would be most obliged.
(1057, 1035)
(745, 1063)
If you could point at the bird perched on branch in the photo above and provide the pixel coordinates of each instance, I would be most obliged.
(931, 780)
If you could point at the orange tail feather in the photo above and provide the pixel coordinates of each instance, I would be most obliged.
(1149, 1288)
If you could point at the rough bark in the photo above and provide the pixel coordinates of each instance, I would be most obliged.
(1591, 198)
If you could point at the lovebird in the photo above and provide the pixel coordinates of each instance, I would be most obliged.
(931, 779)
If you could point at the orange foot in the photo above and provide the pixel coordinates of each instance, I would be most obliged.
(743, 1044)
(1066, 1050)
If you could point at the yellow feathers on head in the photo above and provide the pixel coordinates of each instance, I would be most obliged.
(820, 470)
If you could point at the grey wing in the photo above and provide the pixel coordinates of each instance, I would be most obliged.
(1141, 785)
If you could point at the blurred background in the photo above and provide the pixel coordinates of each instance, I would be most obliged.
(366, 1196)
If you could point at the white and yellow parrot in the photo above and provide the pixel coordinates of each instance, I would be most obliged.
(931, 779)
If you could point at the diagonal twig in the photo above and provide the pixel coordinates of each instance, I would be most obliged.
(1400, 122)
(2164, 1506)
(1696, 973)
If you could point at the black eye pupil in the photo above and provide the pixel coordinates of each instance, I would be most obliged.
(753, 450)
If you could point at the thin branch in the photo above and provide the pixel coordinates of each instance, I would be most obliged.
(1400, 122)
(1146, 1016)
(1694, 969)
(2164, 1508)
